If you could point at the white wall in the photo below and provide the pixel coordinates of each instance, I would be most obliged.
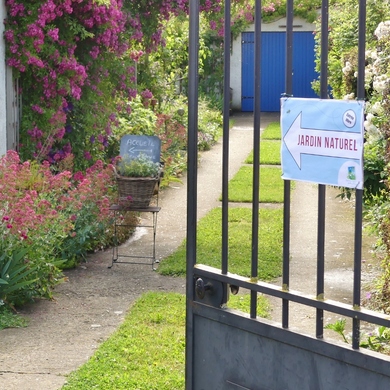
(235, 60)
(3, 116)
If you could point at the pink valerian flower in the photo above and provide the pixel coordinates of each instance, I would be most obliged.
(269, 8)
(78, 176)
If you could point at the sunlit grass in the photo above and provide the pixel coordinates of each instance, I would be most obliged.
(271, 185)
(147, 352)
(240, 244)
(272, 131)
(269, 153)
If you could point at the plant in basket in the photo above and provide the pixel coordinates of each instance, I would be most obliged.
(137, 178)
(141, 166)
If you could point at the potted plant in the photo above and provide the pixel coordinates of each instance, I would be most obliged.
(137, 178)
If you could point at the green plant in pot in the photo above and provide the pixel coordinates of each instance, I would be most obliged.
(142, 166)
(137, 179)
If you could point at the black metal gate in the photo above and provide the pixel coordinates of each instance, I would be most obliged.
(232, 350)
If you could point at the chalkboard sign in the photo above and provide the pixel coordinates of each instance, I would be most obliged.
(134, 145)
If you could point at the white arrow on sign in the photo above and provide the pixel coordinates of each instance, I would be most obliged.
(325, 143)
(132, 150)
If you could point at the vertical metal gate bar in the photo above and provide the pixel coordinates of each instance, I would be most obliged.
(225, 157)
(256, 157)
(359, 193)
(321, 187)
(192, 160)
(287, 183)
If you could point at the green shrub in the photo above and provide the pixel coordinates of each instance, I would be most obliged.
(209, 125)
(16, 275)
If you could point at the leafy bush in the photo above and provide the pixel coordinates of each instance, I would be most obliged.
(14, 276)
(209, 125)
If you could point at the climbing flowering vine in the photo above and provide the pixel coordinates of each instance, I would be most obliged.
(76, 61)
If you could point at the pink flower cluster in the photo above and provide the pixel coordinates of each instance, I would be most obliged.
(32, 198)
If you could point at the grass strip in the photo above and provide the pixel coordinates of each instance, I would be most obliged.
(147, 352)
(271, 185)
(272, 131)
(240, 244)
(269, 153)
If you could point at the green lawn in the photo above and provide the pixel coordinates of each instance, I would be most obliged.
(146, 352)
(271, 185)
(272, 131)
(269, 153)
(240, 245)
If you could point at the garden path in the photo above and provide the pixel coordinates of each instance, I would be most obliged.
(92, 303)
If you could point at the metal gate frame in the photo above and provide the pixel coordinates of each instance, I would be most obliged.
(226, 349)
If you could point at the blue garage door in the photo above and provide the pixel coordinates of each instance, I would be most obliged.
(273, 57)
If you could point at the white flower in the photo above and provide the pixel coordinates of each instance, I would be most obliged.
(371, 54)
(369, 117)
(347, 68)
(350, 96)
(380, 83)
(377, 108)
(383, 30)
(373, 133)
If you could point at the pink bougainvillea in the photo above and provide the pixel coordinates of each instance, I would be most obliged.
(78, 56)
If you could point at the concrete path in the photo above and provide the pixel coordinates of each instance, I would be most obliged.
(64, 333)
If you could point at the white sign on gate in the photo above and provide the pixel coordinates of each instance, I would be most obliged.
(322, 141)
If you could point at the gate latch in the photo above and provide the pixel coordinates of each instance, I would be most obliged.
(211, 292)
(201, 288)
